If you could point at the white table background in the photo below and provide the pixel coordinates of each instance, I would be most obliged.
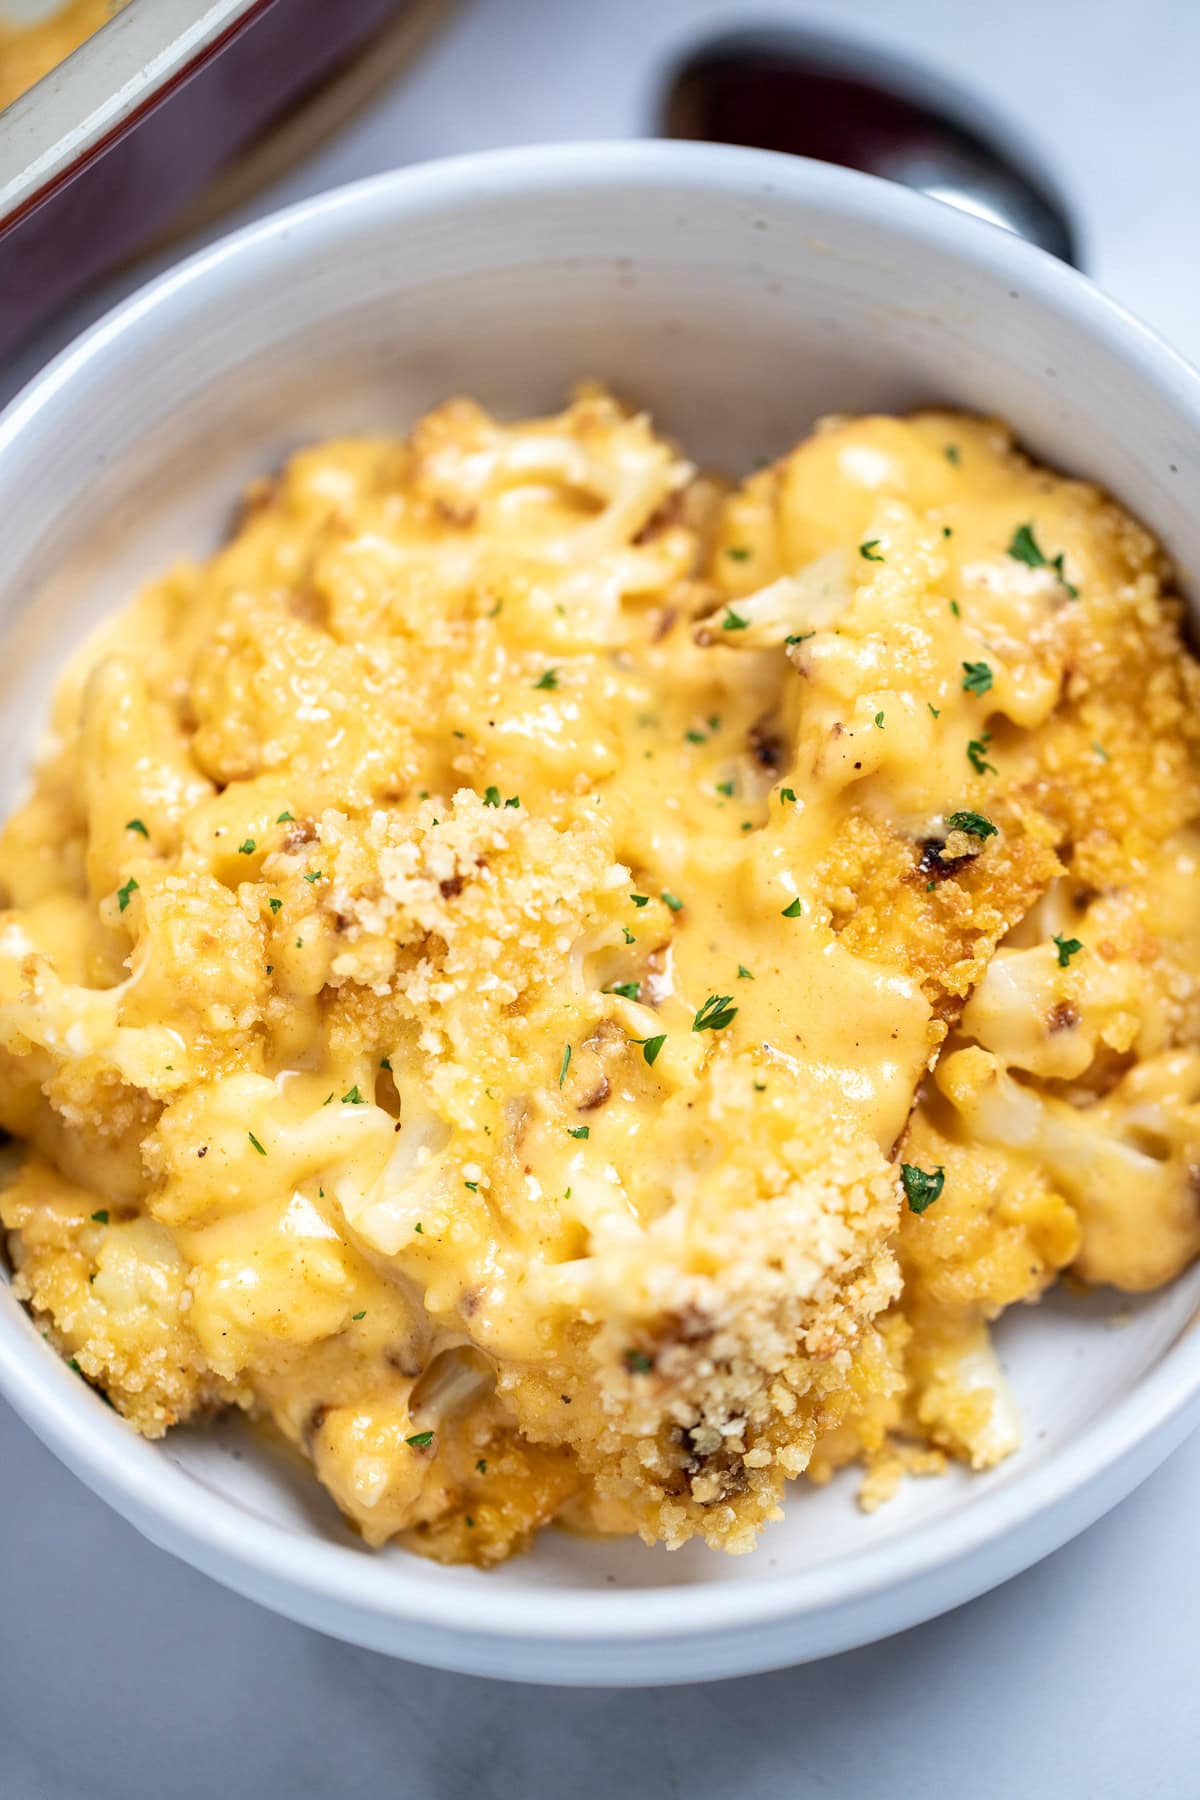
(124, 1675)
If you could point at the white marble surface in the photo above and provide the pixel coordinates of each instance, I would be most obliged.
(123, 1674)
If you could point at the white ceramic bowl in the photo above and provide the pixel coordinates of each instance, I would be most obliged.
(737, 295)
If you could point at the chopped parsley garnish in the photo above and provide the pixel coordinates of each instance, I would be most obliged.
(879, 721)
(671, 900)
(101, 1217)
(977, 677)
(715, 1014)
(548, 679)
(733, 621)
(870, 551)
(246, 847)
(579, 1131)
(359, 1315)
(419, 1228)
(1067, 948)
(695, 737)
(473, 1185)
(738, 552)
(565, 1065)
(713, 721)
(793, 910)
(726, 788)
(491, 796)
(946, 531)
(136, 825)
(787, 794)
(799, 637)
(973, 823)
(651, 1047)
(420, 1440)
(468, 1521)
(628, 989)
(956, 609)
(314, 875)
(921, 1188)
(256, 1143)
(629, 937)
(637, 1362)
(513, 800)
(123, 893)
(285, 818)
(976, 756)
(950, 452)
(274, 904)
(744, 973)
(1100, 751)
(73, 1365)
(385, 1062)
(352, 1097)
(1025, 548)
(935, 710)
(481, 1466)
(640, 899)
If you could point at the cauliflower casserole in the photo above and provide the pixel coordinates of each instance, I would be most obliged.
(576, 992)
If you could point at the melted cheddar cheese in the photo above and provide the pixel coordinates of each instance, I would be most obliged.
(487, 954)
(29, 51)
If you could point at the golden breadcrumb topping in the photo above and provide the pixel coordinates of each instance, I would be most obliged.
(578, 993)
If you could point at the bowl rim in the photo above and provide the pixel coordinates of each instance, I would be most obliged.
(208, 1528)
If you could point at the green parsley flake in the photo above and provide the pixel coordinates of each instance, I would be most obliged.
(726, 788)
(491, 796)
(671, 900)
(946, 531)
(651, 1047)
(314, 875)
(973, 823)
(870, 551)
(956, 609)
(935, 710)
(246, 847)
(256, 1143)
(640, 899)
(879, 721)
(352, 1097)
(799, 637)
(1025, 548)
(101, 1217)
(788, 795)
(976, 757)
(566, 1063)
(284, 818)
(548, 680)
(481, 1466)
(513, 800)
(738, 552)
(1100, 751)
(715, 1014)
(473, 1185)
(733, 621)
(579, 1131)
(385, 1062)
(921, 1188)
(123, 893)
(136, 825)
(629, 937)
(695, 737)
(977, 677)
(274, 904)
(950, 452)
(1067, 948)
(628, 989)
(744, 973)
(359, 1315)
(637, 1362)
(793, 910)
(420, 1440)
(420, 1229)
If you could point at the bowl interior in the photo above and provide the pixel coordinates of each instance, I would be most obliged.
(737, 298)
